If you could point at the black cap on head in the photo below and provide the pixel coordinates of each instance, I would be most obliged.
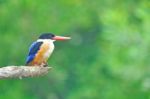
(46, 36)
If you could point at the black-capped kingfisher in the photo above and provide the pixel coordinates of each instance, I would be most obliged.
(40, 50)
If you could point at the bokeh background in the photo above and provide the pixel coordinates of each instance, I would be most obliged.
(107, 58)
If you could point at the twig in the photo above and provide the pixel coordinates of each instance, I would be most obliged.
(22, 71)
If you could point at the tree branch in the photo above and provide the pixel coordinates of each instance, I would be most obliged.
(22, 71)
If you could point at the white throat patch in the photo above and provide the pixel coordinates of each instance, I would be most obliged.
(50, 44)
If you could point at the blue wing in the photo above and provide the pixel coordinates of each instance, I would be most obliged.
(35, 46)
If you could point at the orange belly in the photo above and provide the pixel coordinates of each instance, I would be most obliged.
(40, 59)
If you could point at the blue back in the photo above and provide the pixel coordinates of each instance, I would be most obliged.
(35, 46)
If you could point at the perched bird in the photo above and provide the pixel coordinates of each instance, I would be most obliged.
(40, 50)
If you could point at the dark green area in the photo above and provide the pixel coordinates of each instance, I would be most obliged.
(107, 58)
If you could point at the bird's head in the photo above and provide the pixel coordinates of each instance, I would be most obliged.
(53, 37)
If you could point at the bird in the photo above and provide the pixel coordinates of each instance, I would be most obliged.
(42, 48)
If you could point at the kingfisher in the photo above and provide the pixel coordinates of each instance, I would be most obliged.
(41, 50)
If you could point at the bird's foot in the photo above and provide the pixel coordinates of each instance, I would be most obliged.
(45, 64)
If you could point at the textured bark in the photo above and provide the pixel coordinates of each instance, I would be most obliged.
(22, 71)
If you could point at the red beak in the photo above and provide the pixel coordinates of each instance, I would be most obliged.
(61, 38)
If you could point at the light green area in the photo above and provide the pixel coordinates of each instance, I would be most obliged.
(107, 58)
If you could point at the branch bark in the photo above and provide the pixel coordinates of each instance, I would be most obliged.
(22, 71)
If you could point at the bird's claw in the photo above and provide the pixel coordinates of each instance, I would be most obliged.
(44, 64)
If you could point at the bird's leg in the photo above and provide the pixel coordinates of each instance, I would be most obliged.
(45, 64)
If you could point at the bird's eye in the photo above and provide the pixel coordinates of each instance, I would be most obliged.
(52, 35)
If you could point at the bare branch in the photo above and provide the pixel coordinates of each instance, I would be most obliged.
(22, 71)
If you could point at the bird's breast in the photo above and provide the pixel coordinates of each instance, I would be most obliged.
(44, 52)
(49, 47)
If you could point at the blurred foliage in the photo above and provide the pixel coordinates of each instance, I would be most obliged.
(107, 58)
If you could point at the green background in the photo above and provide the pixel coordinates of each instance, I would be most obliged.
(108, 56)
